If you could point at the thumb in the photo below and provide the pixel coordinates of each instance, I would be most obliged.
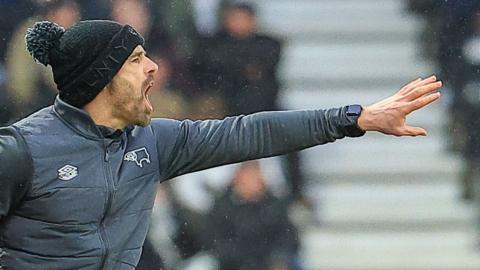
(415, 131)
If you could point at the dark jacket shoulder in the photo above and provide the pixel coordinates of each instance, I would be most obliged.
(16, 169)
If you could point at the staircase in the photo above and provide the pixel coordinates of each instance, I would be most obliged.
(383, 202)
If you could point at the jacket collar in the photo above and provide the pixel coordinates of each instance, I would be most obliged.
(79, 120)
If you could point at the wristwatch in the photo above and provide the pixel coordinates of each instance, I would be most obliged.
(353, 112)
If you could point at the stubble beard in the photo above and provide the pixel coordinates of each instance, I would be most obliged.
(129, 105)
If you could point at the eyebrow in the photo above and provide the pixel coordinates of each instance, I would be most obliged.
(136, 54)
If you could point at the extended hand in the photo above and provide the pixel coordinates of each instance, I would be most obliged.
(389, 115)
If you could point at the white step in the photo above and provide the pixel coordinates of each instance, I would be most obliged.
(445, 250)
(385, 148)
(339, 174)
(328, 159)
(350, 62)
(359, 18)
(319, 70)
(384, 203)
(383, 176)
(312, 9)
(398, 52)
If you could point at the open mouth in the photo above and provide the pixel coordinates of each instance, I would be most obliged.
(146, 99)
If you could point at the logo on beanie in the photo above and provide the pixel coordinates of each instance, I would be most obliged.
(67, 172)
(138, 156)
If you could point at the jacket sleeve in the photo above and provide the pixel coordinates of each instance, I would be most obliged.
(15, 170)
(189, 146)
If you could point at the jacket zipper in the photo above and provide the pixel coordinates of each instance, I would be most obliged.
(108, 203)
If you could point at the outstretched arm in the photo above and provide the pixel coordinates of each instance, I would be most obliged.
(191, 146)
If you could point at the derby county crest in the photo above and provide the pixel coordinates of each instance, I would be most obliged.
(138, 156)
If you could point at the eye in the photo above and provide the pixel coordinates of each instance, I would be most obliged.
(136, 60)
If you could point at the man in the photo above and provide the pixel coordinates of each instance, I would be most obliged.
(244, 63)
(78, 178)
(251, 228)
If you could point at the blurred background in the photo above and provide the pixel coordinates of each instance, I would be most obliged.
(372, 203)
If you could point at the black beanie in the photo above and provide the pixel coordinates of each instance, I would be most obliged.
(85, 57)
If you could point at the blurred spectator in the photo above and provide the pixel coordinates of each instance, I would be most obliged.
(448, 28)
(242, 63)
(456, 28)
(457, 61)
(195, 194)
(251, 227)
(31, 86)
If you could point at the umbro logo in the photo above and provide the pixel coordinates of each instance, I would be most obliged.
(67, 172)
(139, 156)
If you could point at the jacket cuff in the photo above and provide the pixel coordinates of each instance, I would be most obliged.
(350, 124)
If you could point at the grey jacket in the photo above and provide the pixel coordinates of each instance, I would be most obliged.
(74, 198)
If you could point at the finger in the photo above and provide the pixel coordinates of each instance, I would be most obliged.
(422, 102)
(409, 86)
(418, 83)
(423, 90)
(414, 131)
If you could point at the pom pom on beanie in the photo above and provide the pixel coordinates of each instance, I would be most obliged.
(41, 38)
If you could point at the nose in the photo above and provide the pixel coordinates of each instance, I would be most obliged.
(151, 67)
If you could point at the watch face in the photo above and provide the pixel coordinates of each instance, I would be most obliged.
(354, 110)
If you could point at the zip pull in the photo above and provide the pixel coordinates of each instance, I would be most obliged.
(107, 156)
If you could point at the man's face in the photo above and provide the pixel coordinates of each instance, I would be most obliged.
(240, 23)
(128, 90)
(248, 183)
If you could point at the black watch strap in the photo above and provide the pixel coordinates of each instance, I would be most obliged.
(352, 113)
